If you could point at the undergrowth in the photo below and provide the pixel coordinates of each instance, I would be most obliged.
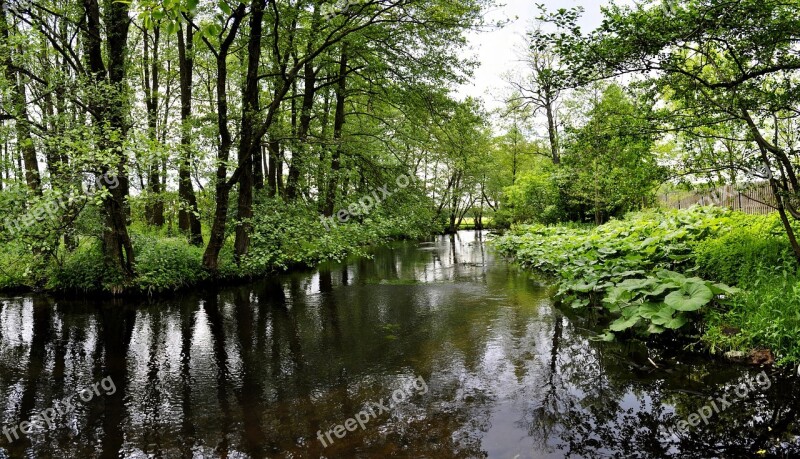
(727, 276)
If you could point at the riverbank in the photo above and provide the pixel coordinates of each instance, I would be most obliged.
(719, 280)
(284, 237)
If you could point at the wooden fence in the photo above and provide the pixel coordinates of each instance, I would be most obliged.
(753, 199)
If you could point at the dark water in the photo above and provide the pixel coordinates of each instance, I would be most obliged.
(480, 362)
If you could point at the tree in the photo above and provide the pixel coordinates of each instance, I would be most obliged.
(609, 167)
(718, 68)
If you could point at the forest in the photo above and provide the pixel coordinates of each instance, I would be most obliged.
(297, 228)
(150, 146)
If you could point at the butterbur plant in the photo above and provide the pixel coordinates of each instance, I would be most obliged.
(662, 302)
(630, 268)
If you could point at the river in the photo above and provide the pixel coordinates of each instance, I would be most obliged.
(428, 350)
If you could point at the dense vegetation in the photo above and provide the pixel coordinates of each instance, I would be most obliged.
(667, 272)
(150, 145)
(709, 99)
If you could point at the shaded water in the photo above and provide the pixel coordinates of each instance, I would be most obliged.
(490, 368)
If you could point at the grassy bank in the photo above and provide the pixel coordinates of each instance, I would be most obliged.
(716, 278)
(284, 236)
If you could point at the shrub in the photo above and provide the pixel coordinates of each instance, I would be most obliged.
(629, 266)
(82, 270)
(167, 264)
(753, 242)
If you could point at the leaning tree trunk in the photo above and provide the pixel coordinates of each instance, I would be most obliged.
(222, 186)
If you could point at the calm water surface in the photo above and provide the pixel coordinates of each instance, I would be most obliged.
(258, 370)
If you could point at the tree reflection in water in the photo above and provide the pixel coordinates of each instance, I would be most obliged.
(256, 370)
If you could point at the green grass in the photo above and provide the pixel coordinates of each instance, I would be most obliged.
(766, 315)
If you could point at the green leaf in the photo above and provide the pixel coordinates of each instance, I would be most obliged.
(637, 284)
(663, 316)
(676, 323)
(648, 310)
(691, 297)
(722, 289)
(579, 303)
(624, 324)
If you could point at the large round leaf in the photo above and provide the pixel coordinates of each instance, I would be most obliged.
(691, 297)
(622, 323)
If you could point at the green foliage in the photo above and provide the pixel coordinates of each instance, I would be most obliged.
(632, 266)
(286, 235)
(532, 198)
(608, 165)
(167, 264)
(82, 270)
(18, 267)
(755, 242)
(764, 315)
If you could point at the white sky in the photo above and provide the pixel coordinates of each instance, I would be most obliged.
(497, 50)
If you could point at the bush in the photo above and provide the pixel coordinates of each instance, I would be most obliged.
(753, 242)
(629, 266)
(82, 270)
(18, 267)
(167, 264)
(283, 236)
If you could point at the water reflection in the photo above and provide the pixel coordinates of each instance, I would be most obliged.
(257, 370)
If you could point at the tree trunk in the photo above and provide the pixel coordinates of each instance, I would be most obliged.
(274, 168)
(552, 131)
(188, 219)
(299, 154)
(223, 188)
(249, 146)
(20, 109)
(109, 113)
(338, 124)
(258, 167)
(154, 209)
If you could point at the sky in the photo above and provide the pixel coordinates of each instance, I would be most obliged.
(497, 50)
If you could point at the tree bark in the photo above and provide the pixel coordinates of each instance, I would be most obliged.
(552, 130)
(274, 168)
(222, 187)
(338, 125)
(188, 219)
(20, 109)
(109, 113)
(299, 154)
(249, 146)
(154, 209)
